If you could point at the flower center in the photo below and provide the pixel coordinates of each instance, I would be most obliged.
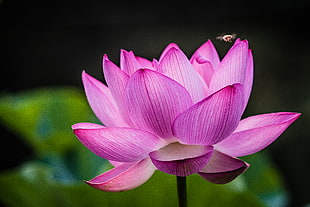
(178, 151)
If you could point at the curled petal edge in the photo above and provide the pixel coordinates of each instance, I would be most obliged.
(185, 166)
(123, 177)
(222, 168)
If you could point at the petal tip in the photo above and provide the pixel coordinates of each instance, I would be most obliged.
(84, 74)
(126, 52)
(74, 127)
(295, 116)
(290, 116)
(86, 77)
(124, 177)
(103, 187)
(105, 58)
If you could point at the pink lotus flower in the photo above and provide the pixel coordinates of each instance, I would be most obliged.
(176, 115)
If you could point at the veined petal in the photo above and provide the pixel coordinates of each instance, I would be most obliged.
(124, 177)
(145, 63)
(203, 67)
(171, 45)
(116, 80)
(232, 68)
(102, 102)
(248, 82)
(255, 133)
(118, 144)
(154, 100)
(175, 65)
(222, 169)
(208, 52)
(181, 160)
(129, 62)
(212, 119)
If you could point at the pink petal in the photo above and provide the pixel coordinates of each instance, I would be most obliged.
(155, 64)
(248, 82)
(117, 144)
(175, 65)
(102, 102)
(154, 101)
(203, 67)
(212, 119)
(129, 62)
(255, 133)
(124, 177)
(145, 63)
(181, 160)
(208, 52)
(85, 125)
(171, 45)
(116, 80)
(232, 68)
(222, 169)
(115, 164)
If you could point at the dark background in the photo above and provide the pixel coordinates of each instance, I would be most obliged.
(49, 43)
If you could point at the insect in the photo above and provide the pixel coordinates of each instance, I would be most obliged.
(227, 37)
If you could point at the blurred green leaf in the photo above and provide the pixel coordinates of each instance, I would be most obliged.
(44, 116)
(33, 185)
(265, 180)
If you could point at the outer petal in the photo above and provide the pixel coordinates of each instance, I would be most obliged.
(117, 144)
(154, 101)
(208, 52)
(175, 65)
(222, 169)
(102, 102)
(181, 160)
(124, 177)
(116, 80)
(248, 82)
(255, 133)
(232, 68)
(171, 45)
(212, 119)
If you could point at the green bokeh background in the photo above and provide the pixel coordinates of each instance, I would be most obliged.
(45, 45)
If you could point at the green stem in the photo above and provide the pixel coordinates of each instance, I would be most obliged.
(182, 194)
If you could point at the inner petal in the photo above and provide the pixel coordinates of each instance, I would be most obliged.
(178, 151)
(181, 160)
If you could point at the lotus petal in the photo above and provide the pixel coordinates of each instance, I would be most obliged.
(181, 160)
(175, 65)
(154, 100)
(102, 102)
(212, 119)
(255, 133)
(117, 144)
(124, 177)
(222, 169)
